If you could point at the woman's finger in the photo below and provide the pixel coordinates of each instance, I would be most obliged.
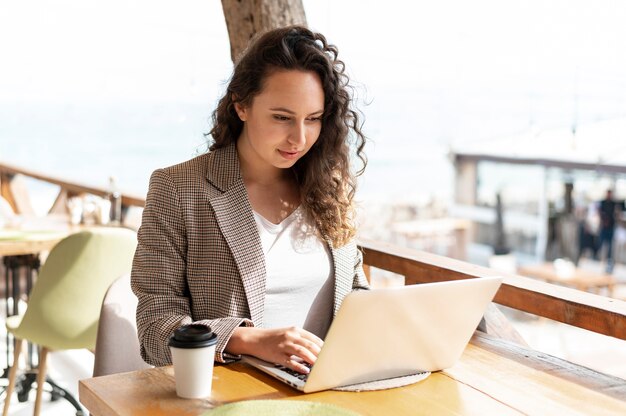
(311, 337)
(304, 338)
(296, 364)
(302, 352)
(308, 345)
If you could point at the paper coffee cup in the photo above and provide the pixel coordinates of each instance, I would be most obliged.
(193, 352)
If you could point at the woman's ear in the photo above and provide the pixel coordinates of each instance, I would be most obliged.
(241, 110)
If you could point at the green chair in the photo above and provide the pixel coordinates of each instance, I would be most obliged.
(64, 305)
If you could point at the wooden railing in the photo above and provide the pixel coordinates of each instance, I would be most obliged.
(595, 313)
(13, 190)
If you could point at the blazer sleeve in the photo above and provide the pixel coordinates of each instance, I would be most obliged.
(360, 280)
(158, 277)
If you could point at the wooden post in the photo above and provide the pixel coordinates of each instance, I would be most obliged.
(246, 18)
(13, 189)
(5, 190)
(466, 188)
(466, 172)
(542, 233)
(60, 203)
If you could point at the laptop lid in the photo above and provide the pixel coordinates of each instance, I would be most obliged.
(392, 332)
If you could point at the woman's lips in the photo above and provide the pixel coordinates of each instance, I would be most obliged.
(288, 155)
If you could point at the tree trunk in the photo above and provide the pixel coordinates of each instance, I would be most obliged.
(245, 18)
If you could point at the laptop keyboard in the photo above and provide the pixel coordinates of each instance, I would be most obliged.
(294, 373)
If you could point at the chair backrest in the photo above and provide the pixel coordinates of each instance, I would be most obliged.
(117, 346)
(64, 305)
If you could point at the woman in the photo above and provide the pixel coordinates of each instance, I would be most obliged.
(255, 238)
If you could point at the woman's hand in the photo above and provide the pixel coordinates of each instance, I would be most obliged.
(285, 346)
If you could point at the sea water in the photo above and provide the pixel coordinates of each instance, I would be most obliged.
(88, 143)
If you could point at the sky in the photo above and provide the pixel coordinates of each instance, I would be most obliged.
(140, 50)
(111, 50)
(428, 75)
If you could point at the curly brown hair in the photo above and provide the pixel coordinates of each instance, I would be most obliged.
(327, 184)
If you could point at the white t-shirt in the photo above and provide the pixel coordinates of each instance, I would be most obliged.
(299, 274)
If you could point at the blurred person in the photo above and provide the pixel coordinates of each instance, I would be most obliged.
(609, 210)
(587, 235)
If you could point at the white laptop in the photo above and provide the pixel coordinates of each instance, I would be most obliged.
(385, 333)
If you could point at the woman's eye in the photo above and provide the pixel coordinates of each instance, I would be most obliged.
(280, 118)
(315, 119)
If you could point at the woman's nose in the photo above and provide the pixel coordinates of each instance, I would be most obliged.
(298, 134)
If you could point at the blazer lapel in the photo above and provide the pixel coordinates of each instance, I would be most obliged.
(235, 219)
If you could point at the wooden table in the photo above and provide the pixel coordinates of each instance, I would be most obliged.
(20, 250)
(20, 243)
(587, 280)
(35, 235)
(493, 377)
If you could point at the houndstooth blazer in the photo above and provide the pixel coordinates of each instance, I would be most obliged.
(199, 257)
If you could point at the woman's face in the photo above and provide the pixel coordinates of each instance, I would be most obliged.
(283, 121)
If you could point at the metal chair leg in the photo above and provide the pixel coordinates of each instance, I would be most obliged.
(12, 374)
(64, 394)
(25, 381)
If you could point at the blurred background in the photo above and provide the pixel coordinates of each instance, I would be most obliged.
(495, 127)
(90, 90)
